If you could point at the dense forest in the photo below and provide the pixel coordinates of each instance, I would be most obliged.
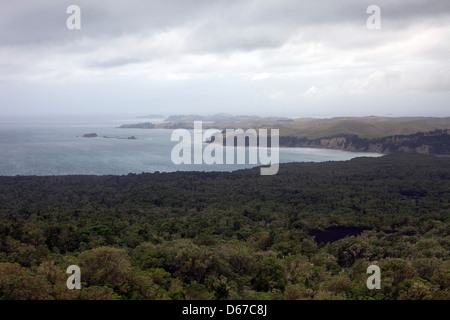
(309, 232)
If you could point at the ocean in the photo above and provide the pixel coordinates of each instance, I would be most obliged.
(30, 146)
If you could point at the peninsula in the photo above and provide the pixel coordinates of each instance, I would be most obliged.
(366, 134)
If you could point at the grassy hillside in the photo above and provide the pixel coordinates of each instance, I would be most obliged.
(364, 127)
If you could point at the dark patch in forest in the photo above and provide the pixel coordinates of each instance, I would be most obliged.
(334, 233)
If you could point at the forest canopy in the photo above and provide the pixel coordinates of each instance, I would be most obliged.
(309, 232)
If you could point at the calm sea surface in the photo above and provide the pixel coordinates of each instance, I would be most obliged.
(56, 147)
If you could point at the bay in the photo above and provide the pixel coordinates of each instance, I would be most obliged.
(58, 148)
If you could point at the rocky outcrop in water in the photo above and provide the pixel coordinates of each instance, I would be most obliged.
(90, 135)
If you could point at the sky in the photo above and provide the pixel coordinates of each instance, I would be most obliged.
(312, 58)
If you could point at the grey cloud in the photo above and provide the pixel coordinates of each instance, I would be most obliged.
(24, 22)
(222, 38)
(112, 63)
(245, 24)
(35, 47)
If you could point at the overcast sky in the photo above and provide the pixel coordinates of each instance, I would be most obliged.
(287, 58)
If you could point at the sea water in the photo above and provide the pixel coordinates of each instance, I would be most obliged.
(57, 147)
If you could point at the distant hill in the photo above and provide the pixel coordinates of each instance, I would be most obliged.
(377, 134)
(363, 127)
(223, 117)
(152, 116)
(145, 125)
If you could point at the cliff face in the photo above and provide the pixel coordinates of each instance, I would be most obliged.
(433, 142)
(339, 143)
(333, 143)
(342, 143)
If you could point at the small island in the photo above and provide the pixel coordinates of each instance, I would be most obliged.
(90, 135)
(94, 135)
